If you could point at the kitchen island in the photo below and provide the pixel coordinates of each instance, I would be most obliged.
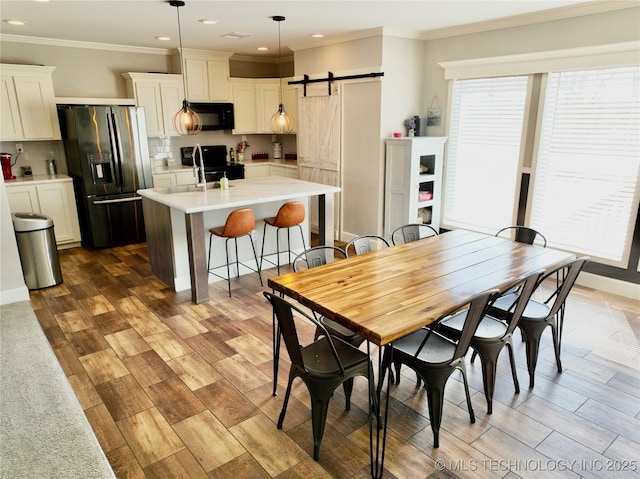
(177, 220)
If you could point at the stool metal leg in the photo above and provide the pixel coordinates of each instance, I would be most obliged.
(256, 257)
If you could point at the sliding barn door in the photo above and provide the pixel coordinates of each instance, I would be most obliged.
(319, 130)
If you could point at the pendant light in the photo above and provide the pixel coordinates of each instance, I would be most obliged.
(281, 122)
(186, 121)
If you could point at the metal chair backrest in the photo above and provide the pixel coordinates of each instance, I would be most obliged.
(566, 275)
(524, 234)
(362, 244)
(525, 285)
(317, 256)
(284, 313)
(413, 232)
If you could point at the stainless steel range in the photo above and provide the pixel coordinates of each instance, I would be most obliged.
(215, 162)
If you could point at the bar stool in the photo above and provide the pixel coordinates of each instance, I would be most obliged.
(289, 215)
(239, 223)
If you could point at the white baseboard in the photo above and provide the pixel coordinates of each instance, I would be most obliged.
(609, 285)
(14, 295)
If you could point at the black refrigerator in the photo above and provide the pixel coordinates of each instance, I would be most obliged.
(107, 156)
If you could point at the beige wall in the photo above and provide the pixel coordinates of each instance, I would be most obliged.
(590, 30)
(82, 72)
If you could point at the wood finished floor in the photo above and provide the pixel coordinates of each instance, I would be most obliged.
(173, 389)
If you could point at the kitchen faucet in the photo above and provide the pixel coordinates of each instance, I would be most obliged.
(198, 171)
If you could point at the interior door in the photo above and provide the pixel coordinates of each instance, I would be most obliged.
(319, 152)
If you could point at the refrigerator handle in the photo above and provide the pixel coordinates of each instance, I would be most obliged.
(114, 136)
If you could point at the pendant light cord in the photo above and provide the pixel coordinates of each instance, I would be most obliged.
(184, 81)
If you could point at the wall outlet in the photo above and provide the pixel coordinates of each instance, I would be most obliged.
(19, 147)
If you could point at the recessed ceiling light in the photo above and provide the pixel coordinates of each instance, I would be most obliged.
(14, 22)
(163, 38)
(208, 22)
(263, 49)
(235, 35)
(317, 35)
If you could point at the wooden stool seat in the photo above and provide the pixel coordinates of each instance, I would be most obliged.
(289, 215)
(239, 223)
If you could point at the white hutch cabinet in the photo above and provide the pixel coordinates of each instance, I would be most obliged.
(413, 181)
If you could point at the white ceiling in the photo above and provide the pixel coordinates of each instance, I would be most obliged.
(138, 22)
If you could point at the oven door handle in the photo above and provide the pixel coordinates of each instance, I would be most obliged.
(120, 200)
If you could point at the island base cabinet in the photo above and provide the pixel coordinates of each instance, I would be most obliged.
(170, 238)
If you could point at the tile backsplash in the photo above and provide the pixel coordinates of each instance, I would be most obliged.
(35, 154)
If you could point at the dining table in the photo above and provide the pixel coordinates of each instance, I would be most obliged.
(388, 293)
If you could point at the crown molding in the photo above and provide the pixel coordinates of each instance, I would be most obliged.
(53, 42)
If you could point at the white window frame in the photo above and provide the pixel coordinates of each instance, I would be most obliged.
(586, 58)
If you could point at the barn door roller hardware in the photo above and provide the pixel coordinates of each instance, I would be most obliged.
(330, 78)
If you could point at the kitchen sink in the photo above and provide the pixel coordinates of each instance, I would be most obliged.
(213, 185)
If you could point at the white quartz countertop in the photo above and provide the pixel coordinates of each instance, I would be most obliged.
(240, 193)
(36, 180)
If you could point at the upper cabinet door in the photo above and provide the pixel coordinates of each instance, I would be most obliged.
(161, 96)
(10, 121)
(28, 103)
(207, 75)
(197, 77)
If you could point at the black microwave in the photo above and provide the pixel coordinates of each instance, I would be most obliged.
(215, 116)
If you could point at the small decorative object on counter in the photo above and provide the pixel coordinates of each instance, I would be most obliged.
(260, 155)
(242, 146)
(410, 125)
(51, 167)
(232, 155)
(224, 182)
(290, 156)
(277, 151)
(26, 171)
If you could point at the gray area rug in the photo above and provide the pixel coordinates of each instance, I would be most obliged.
(43, 431)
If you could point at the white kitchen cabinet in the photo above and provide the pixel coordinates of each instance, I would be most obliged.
(281, 170)
(207, 74)
(55, 199)
(413, 181)
(27, 103)
(290, 98)
(254, 102)
(244, 107)
(257, 171)
(161, 96)
(174, 178)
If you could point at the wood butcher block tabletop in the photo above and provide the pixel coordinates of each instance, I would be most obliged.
(389, 293)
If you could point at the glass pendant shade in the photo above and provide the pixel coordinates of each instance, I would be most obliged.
(186, 121)
(281, 121)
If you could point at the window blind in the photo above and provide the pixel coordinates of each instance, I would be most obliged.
(483, 153)
(586, 182)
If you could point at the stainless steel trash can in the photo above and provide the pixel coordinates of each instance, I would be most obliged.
(37, 248)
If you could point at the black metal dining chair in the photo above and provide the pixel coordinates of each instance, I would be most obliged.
(311, 258)
(538, 315)
(363, 244)
(323, 365)
(434, 357)
(493, 335)
(412, 232)
(524, 234)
